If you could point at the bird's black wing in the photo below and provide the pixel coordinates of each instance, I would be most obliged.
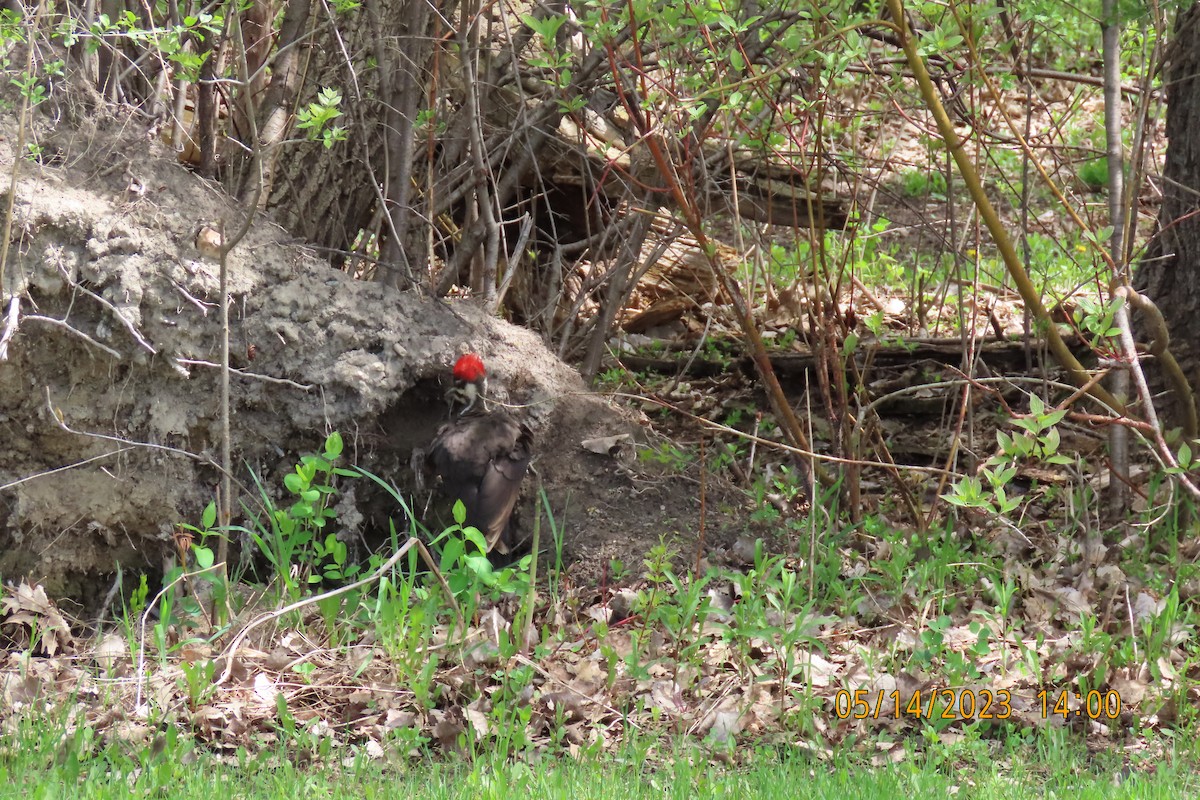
(482, 460)
(499, 489)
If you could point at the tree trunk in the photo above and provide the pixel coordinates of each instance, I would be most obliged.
(376, 58)
(1170, 273)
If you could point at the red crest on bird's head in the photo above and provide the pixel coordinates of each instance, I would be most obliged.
(469, 368)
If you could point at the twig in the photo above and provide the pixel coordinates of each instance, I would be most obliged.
(1121, 318)
(753, 445)
(141, 664)
(787, 448)
(258, 376)
(116, 312)
(202, 459)
(18, 151)
(703, 504)
(1132, 625)
(227, 245)
(57, 415)
(109, 597)
(522, 237)
(11, 321)
(62, 324)
(691, 358)
(226, 498)
(256, 160)
(200, 304)
(231, 650)
(63, 468)
(865, 291)
(526, 615)
(1160, 348)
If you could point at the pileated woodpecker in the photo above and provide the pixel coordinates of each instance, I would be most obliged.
(481, 455)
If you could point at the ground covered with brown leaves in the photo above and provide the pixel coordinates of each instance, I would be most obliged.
(750, 652)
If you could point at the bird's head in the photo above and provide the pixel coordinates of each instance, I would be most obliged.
(470, 381)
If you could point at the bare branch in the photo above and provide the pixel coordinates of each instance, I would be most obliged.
(63, 468)
(60, 323)
(11, 323)
(54, 412)
(231, 650)
(129, 326)
(194, 362)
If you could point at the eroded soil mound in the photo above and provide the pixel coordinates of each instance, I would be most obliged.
(110, 402)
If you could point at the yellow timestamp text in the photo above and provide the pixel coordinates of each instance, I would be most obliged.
(1094, 705)
(946, 703)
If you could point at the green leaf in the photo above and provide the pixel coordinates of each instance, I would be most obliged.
(294, 483)
(547, 27)
(475, 537)
(851, 344)
(204, 556)
(209, 517)
(459, 512)
(451, 553)
(1053, 418)
(189, 607)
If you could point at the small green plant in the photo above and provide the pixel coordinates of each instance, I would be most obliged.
(1003, 593)
(468, 570)
(296, 540)
(667, 454)
(185, 610)
(613, 379)
(781, 488)
(924, 183)
(318, 116)
(462, 560)
(198, 679)
(933, 642)
(616, 569)
(201, 538)
(554, 63)
(557, 542)
(1094, 174)
(1037, 440)
(658, 575)
(1096, 318)
(716, 352)
(1161, 633)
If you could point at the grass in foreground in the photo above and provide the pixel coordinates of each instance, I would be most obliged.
(41, 761)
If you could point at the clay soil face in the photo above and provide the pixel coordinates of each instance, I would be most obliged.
(110, 406)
